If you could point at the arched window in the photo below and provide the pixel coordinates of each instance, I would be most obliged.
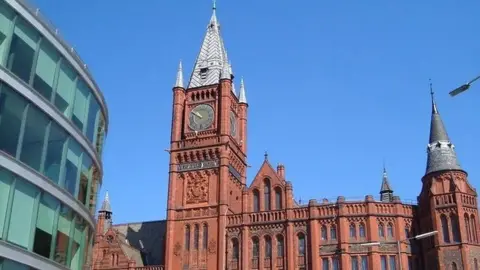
(235, 249)
(390, 230)
(333, 232)
(268, 247)
(256, 247)
(407, 232)
(454, 266)
(187, 237)
(256, 200)
(445, 230)
(455, 228)
(325, 264)
(467, 227)
(475, 264)
(280, 245)
(381, 230)
(205, 236)
(324, 232)
(301, 244)
(353, 231)
(361, 230)
(266, 193)
(474, 228)
(278, 198)
(196, 236)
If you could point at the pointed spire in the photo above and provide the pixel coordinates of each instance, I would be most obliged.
(441, 153)
(212, 57)
(225, 74)
(234, 90)
(386, 191)
(241, 96)
(106, 204)
(179, 81)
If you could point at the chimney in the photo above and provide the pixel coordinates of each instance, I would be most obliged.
(281, 171)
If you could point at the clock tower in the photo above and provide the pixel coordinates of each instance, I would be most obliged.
(207, 172)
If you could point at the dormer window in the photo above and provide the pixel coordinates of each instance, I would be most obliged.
(203, 73)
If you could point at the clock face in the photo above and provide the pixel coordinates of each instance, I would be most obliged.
(233, 124)
(201, 117)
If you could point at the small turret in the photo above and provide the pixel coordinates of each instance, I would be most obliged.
(242, 98)
(179, 81)
(386, 192)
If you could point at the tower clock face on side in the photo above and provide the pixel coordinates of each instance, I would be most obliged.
(201, 117)
(233, 124)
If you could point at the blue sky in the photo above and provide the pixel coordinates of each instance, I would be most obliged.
(334, 87)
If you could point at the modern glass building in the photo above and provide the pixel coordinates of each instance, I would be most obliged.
(53, 120)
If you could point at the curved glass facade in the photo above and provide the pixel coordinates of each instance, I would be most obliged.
(52, 128)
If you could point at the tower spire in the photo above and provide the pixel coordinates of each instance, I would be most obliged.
(242, 98)
(386, 191)
(179, 81)
(106, 204)
(441, 152)
(212, 57)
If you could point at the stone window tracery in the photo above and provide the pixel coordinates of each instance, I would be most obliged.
(473, 225)
(187, 237)
(361, 229)
(255, 247)
(390, 230)
(353, 231)
(445, 230)
(196, 236)
(333, 232)
(268, 247)
(278, 198)
(455, 228)
(235, 249)
(256, 200)
(280, 245)
(266, 193)
(381, 230)
(205, 236)
(323, 233)
(301, 244)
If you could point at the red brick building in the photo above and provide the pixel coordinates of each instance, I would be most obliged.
(215, 220)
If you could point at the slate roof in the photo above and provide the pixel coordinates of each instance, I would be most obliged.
(147, 237)
(441, 152)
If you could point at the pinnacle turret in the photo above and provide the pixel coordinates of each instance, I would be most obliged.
(179, 81)
(441, 152)
(386, 191)
(242, 98)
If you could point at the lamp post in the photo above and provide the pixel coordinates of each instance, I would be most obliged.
(463, 88)
(399, 242)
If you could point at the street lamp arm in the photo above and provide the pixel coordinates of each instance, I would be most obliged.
(474, 79)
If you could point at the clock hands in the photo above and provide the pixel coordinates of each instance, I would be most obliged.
(198, 115)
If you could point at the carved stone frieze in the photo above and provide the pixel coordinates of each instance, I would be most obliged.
(328, 249)
(270, 229)
(197, 188)
(357, 248)
(387, 248)
(196, 212)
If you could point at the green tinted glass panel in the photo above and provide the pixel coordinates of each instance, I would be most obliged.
(72, 166)
(20, 229)
(34, 137)
(92, 121)
(79, 116)
(11, 114)
(45, 225)
(22, 50)
(5, 187)
(45, 70)
(6, 26)
(63, 235)
(57, 140)
(65, 89)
